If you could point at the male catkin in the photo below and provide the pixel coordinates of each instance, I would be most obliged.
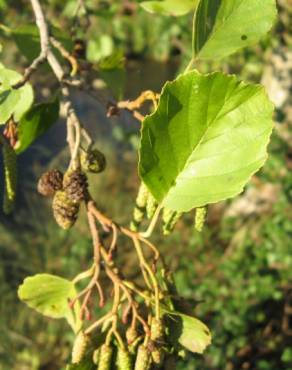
(10, 174)
(79, 347)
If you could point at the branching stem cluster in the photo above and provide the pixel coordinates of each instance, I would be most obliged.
(126, 296)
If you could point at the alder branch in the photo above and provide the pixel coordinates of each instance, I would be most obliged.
(74, 126)
(31, 69)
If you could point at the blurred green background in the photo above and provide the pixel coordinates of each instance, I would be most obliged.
(239, 269)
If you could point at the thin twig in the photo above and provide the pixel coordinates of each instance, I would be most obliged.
(66, 55)
(31, 69)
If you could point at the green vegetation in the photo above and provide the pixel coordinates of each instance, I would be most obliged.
(234, 272)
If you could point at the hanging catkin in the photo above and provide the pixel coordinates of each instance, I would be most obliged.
(151, 206)
(200, 218)
(105, 357)
(124, 360)
(143, 359)
(79, 347)
(10, 174)
(169, 219)
(140, 207)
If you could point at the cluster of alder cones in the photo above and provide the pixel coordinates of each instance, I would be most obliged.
(70, 189)
(134, 355)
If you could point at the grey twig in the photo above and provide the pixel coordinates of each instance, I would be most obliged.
(74, 126)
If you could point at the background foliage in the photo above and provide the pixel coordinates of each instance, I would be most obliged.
(237, 272)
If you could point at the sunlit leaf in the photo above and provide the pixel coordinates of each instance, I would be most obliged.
(194, 335)
(13, 101)
(35, 123)
(169, 7)
(49, 295)
(207, 137)
(222, 27)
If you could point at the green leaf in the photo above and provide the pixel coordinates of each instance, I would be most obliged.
(114, 61)
(170, 7)
(27, 40)
(99, 47)
(13, 101)
(192, 333)
(221, 27)
(207, 137)
(49, 295)
(35, 123)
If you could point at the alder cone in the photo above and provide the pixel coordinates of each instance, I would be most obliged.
(93, 161)
(75, 185)
(65, 211)
(50, 182)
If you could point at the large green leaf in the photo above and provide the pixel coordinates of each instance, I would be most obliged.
(222, 27)
(207, 137)
(49, 295)
(191, 333)
(35, 123)
(170, 7)
(13, 101)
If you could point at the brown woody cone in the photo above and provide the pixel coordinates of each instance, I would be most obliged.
(50, 182)
(75, 185)
(65, 211)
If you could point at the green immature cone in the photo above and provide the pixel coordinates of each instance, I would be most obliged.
(151, 206)
(65, 210)
(79, 348)
(200, 218)
(169, 219)
(105, 357)
(10, 174)
(140, 207)
(124, 360)
(93, 161)
(143, 359)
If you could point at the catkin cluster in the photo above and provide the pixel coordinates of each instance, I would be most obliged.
(133, 354)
